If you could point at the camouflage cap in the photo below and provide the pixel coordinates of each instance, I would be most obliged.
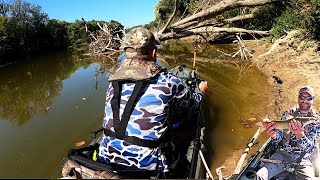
(141, 40)
(308, 90)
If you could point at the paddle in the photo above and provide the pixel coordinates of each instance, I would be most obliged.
(245, 152)
(252, 161)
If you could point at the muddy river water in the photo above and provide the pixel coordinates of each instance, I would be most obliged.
(50, 102)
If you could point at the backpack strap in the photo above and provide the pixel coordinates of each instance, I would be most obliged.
(128, 110)
(115, 104)
(121, 125)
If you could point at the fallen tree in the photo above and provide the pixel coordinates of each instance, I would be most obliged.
(202, 22)
(190, 25)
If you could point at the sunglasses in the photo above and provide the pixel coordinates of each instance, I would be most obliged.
(308, 98)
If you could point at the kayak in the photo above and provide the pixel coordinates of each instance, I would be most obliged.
(263, 155)
(188, 163)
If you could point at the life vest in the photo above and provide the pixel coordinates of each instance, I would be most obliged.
(139, 72)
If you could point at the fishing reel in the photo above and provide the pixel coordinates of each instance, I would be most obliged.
(189, 77)
(194, 81)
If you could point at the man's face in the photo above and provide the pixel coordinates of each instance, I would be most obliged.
(305, 101)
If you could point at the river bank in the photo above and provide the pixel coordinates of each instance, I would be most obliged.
(292, 63)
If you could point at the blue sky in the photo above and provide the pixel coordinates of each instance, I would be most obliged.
(128, 12)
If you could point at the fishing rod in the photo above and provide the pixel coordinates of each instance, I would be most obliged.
(194, 69)
(197, 141)
(194, 81)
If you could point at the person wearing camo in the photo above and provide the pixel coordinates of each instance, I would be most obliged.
(137, 105)
(299, 145)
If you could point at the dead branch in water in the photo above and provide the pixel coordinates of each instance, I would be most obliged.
(243, 51)
(106, 42)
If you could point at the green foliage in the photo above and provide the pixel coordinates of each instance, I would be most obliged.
(281, 17)
(77, 33)
(264, 16)
(165, 8)
(315, 4)
(57, 34)
(25, 29)
(286, 22)
(151, 26)
(299, 14)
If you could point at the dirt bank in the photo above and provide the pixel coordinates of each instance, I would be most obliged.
(292, 63)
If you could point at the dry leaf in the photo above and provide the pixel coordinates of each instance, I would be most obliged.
(80, 143)
(252, 119)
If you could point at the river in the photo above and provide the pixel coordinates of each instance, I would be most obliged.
(50, 102)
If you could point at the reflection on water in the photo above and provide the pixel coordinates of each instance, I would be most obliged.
(47, 104)
(51, 102)
(30, 87)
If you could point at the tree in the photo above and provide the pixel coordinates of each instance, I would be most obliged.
(199, 22)
(24, 25)
(178, 19)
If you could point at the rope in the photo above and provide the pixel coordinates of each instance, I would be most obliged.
(205, 165)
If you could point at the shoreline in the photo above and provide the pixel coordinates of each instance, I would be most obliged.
(286, 69)
(293, 63)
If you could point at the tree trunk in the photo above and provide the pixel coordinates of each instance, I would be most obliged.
(174, 35)
(188, 26)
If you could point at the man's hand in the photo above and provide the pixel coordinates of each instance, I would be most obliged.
(296, 128)
(270, 129)
(203, 86)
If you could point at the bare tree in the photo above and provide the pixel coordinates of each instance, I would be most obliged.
(105, 42)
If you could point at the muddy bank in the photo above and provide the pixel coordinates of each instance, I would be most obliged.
(292, 64)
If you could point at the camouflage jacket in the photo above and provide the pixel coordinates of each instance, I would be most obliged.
(308, 143)
(147, 121)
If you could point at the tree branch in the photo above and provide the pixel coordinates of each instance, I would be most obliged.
(177, 35)
(186, 25)
(87, 30)
(171, 18)
(239, 18)
(221, 7)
